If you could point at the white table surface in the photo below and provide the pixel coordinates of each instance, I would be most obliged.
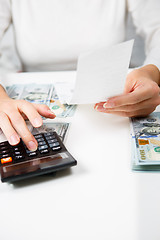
(99, 199)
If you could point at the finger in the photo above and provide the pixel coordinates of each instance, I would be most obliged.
(8, 130)
(149, 103)
(22, 129)
(44, 110)
(24, 116)
(139, 95)
(29, 110)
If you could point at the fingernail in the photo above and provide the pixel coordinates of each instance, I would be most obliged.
(108, 105)
(50, 112)
(32, 146)
(99, 108)
(37, 122)
(96, 108)
(14, 139)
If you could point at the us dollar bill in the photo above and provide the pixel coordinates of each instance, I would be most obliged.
(15, 91)
(60, 128)
(137, 167)
(36, 93)
(146, 138)
(60, 110)
(42, 94)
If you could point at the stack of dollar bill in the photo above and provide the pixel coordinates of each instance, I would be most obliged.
(146, 143)
(60, 128)
(41, 93)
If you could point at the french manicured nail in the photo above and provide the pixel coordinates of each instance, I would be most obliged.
(50, 112)
(14, 139)
(96, 108)
(99, 108)
(108, 105)
(32, 146)
(37, 122)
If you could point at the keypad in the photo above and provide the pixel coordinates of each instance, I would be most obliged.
(18, 162)
(48, 144)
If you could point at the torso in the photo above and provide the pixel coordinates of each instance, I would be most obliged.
(51, 34)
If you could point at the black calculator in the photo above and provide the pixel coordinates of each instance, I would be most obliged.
(17, 162)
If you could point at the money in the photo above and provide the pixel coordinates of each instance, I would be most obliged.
(42, 94)
(60, 128)
(8, 89)
(15, 91)
(46, 94)
(36, 93)
(135, 166)
(146, 141)
(60, 110)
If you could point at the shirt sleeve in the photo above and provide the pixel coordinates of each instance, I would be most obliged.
(146, 18)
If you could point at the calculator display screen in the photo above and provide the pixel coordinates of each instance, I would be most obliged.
(33, 165)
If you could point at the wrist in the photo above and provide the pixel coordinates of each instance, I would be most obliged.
(3, 93)
(149, 71)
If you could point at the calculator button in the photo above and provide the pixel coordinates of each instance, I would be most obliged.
(32, 154)
(28, 151)
(16, 148)
(50, 137)
(56, 144)
(56, 148)
(4, 147)
(38, 136)
(52, 140)
(41, 143)
(6, 160)
(40, 139)
(18, 157)
(44, 151)
(4, 151)
(4, 144)
(17, 153)
(42, 147)
(5, 155)
(49, 134)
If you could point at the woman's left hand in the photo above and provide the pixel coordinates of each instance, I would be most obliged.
(140, 97)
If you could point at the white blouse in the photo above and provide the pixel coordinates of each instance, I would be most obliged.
(50, 34)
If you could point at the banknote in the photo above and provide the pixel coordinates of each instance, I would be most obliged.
(8, 89)
(60, 128)
(36, 93)
(137, 167)
(15, 91)
(146, 138)
(60, 110)
(42, 94)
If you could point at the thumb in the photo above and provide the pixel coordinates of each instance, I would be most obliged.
(130, 85)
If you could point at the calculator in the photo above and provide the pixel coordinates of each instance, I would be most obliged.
(17, 162)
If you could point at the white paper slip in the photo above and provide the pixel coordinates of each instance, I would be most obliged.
(100, 74)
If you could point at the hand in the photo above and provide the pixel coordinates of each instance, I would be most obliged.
(140, 97)
(12, 120)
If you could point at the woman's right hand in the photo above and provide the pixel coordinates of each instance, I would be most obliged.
(13, 114)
